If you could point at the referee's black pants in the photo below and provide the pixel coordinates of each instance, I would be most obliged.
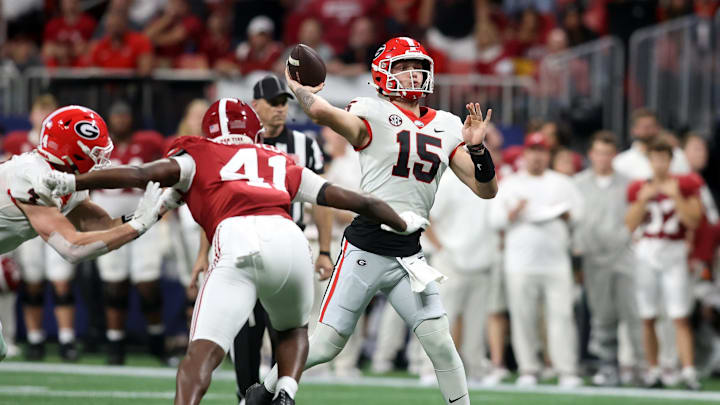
(246, 348)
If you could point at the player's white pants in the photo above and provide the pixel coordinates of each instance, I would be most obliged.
(526, 293)
(662, 278)
(7, 316)
(139, 260)
(465, 294)
(38, 261)
(254, 257)
(390, 338)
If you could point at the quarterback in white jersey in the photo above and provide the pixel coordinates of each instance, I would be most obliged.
(404, 149)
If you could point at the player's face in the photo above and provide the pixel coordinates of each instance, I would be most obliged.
(660, 163)
(537, 160)
(601, 156)
(273, 112)
(402, 71)
(697, 153)
(645, 128)
(120, 125)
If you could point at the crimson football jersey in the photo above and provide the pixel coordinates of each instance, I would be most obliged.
(237, 180)
(661, 220)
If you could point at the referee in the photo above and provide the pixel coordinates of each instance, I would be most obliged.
(270, 101)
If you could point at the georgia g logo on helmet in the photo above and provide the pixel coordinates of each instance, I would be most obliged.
(87, 130)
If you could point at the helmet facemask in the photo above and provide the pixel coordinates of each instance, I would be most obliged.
(100, 155)
(395, 87)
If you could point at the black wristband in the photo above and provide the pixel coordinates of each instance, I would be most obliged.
(126, 218)
(484, 166)
(324, 253)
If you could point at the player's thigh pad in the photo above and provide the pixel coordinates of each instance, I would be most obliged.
(283, 271)
(358, 275)
(57, 268)
(114, 266)
(31, 258)
(225, 301)
(647, 289)
(413, 307)
(146, 254)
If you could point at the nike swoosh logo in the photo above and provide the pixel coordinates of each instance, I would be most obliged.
(437, 131)
(457, 399)
(479, 166)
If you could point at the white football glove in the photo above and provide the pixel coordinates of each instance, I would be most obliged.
(148, 209)
(58, 183)
(413, 221)
(46, 195)
(170, 199)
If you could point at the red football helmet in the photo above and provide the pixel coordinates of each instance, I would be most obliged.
(396, 49)
(231, 116)
(76, 137)
(9, 274)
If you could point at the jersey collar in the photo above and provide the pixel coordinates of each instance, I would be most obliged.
(427, 114)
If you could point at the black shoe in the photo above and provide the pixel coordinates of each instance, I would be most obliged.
(116, 352)
(35, 351)
(257, 394)
(69, 352)
(283, 399)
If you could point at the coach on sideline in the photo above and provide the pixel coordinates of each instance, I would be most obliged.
(270, 101)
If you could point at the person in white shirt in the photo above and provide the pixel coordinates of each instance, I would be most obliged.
(536, 209)
(633, 163)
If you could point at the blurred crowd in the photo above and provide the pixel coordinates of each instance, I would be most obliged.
(238, 37)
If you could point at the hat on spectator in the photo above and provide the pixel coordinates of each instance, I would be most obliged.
(537, 140)
(119, 107)
(260, 24)
(270, 87)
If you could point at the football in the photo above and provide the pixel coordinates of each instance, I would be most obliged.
(305, 66)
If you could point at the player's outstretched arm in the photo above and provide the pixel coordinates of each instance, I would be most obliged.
(473, 164)
(323, 113)
(76, 246)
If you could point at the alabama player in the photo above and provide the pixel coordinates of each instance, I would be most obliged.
(663, 209)
(39, 262)
(404, 149)
(138, 262)
(73, 139)
(240, 193)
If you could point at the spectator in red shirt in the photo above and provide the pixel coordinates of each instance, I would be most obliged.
(259, 52)
(122, 48)
(174, 32)
(336, 16)
(359, 54)
(216, 45)
(493, 58)
(66, 36)
(310, 34)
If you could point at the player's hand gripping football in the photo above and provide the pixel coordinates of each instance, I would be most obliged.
(148, 209)
(413, 222)
(475, 128)
(294, 85)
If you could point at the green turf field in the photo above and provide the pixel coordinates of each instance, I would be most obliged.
(52, 383)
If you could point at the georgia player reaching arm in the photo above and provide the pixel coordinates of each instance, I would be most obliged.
(479, 176)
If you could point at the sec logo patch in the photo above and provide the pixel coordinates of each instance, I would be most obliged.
(395, 120)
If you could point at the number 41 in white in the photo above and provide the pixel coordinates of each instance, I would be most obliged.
(248, 159)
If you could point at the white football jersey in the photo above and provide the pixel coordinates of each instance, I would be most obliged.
(405, 157)
(16, 180)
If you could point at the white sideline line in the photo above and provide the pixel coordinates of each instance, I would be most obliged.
(155, 372)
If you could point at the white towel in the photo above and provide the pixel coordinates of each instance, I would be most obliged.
(421, 274)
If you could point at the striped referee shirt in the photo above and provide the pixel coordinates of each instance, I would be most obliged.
(306, 152)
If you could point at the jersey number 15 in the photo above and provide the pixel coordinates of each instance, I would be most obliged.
(422, 141)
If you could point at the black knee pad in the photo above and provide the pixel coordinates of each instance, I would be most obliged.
(34, 299)
(64, 299)
(116, 294)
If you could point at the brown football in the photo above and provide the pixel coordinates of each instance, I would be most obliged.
(305, 66)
